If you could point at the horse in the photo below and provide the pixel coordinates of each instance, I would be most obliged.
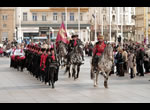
(62, 53)
(104, 66)
(75, 62)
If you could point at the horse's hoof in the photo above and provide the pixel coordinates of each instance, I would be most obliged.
(95, 85)
(75, 78)
(105, 85)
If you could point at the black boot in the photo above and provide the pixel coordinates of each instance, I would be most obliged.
(82, 58)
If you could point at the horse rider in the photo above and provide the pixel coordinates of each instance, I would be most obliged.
(73, 43)
(98, 50)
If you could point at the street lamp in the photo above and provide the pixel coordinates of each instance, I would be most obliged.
(135, 35)
(88, 29)
(16, 30)
(95, 25)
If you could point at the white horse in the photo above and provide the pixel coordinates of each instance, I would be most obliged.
(104, 66)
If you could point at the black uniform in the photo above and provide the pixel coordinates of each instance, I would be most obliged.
(52, 68)
(71, 47)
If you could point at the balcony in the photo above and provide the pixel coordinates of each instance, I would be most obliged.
(55, 24)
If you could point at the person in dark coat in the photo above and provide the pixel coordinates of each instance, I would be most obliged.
(43, 64)
(119, 57)
(52, 66)
(90, 46)
(38, 70)
(141, 61)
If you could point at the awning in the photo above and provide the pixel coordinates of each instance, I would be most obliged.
(40, 38)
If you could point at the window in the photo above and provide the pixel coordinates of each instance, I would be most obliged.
(104, 18)
(104, 10)
(71, 16)
(34, 16)
(55, 16)
(81, 16)
(24, 16)
(113, 8)
(124, 9)
(63, 15)
(120, 18)
(4, 25)
(113, 18)
(4, 36)
(4, 17)
(124, 18)
(44, 17)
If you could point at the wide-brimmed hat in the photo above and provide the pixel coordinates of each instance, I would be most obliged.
(100, 37)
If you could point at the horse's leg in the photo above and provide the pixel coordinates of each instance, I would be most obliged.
(97, 74)
(76, 75)
(96, 79)
(105, 80)
(69, 71)
(73, 71)
(78, 70)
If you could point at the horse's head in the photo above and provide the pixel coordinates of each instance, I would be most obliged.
(62, 48)
(109, 52)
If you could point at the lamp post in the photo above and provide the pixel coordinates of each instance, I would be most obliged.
(95, 26)
(79, 22)
(16, 30)
(102, 22)
(50, 35)
(88, 36)
(147, 25)
(110, 23)
(135, 36)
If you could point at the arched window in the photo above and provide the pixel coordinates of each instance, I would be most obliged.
(113, 18)
(104, 17)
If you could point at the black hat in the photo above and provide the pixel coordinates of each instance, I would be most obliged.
(48, 50)
(73, 36)
(76, 35)
(43, 49)
(51, 49)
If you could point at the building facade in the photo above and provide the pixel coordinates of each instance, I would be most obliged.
(7, 24)
(113, 21)
(46, 21)
(141, 23)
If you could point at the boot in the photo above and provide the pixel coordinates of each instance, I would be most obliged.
(82, 58)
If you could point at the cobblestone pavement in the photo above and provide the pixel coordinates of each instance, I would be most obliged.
(17, 87)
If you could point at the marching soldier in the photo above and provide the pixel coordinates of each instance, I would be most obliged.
(52, 65)
(12, 64)
(42, 64)
(19, 57)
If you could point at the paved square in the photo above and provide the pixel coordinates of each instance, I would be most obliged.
(17, 87)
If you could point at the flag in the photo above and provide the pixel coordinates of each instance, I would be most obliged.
(62, 34)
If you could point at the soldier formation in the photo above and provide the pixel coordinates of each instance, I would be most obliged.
(43, 63)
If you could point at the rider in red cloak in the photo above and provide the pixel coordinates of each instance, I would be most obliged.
(98, 50)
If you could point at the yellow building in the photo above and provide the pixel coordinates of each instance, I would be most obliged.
(7, 24)
(140, 24)
(38, 21)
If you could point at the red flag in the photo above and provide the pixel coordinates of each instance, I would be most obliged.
(62, 34)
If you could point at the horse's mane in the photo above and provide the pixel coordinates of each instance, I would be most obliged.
(106, 50)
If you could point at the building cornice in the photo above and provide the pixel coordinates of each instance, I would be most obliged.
(60, 10)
